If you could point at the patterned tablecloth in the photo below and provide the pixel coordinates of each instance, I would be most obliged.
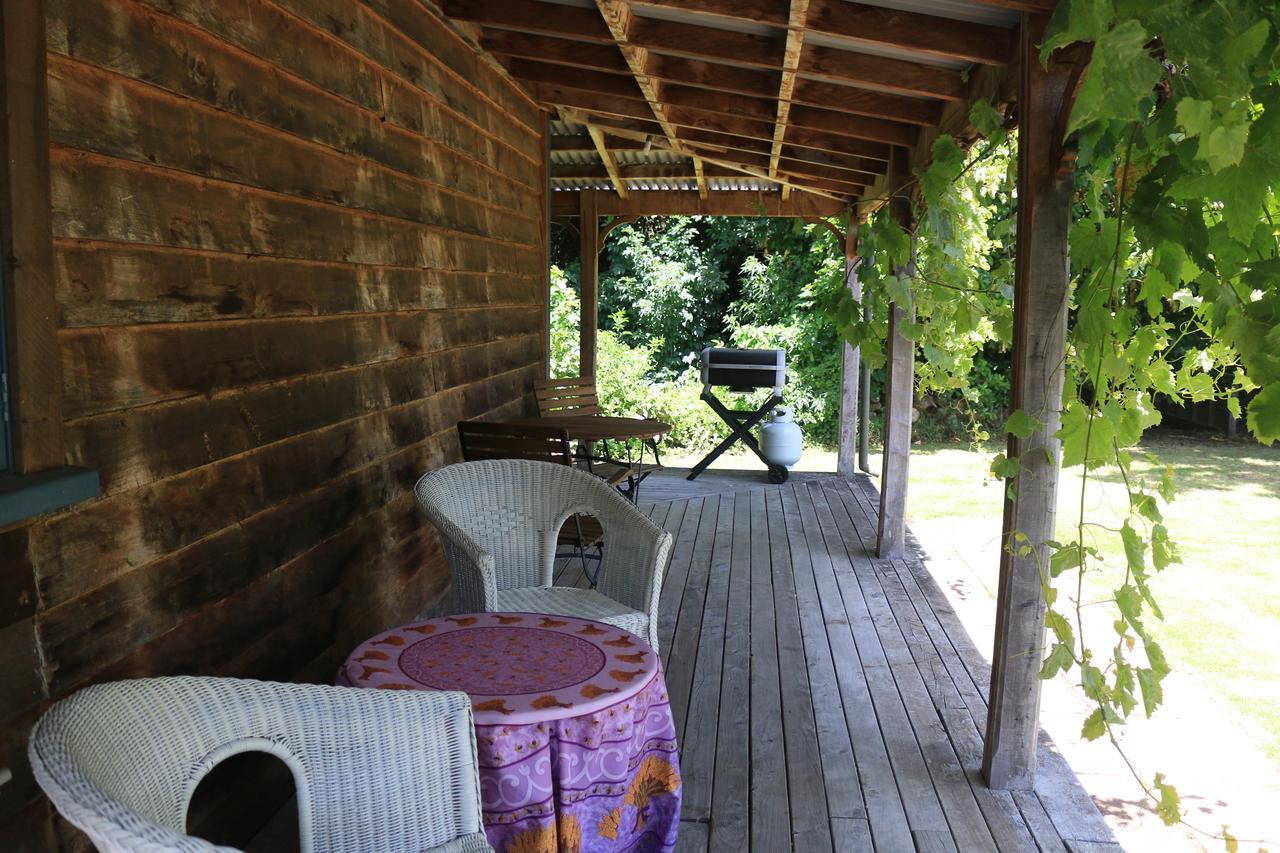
(576, 740)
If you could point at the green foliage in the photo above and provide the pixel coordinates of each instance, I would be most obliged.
(661, 277)
(566, 316)
(624, 377)
(1175, 286)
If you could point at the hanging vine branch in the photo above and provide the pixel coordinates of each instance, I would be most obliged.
(1175, 264)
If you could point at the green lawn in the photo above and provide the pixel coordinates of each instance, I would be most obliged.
(1221, 604)
(1222, 611)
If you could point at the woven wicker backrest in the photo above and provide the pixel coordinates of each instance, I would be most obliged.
(568, 395)
(483, 440)
(513, 509)
(374, 770)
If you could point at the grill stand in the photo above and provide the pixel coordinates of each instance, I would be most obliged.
(741, 423)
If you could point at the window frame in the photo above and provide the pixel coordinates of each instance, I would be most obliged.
(37, 478)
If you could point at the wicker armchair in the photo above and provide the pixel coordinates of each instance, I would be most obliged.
(374, 770)
(499, 520)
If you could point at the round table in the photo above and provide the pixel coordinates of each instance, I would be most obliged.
(574, 732)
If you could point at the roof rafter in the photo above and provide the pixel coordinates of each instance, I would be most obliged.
(531, 16)
(685, 172)
(562, 51)
(916, 31)
(763, 88)
(790, 62)
(583, 143)
(683, 202)
(585, 118)
(709, 72)
(927, 34)
(597, 136)
(729, 117)
(618, 19)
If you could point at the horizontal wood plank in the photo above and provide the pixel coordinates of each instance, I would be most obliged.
(293, 244)
(871, 741)
(113, 284)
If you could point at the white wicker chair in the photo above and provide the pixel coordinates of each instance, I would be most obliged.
(499, 520)
(375, 770)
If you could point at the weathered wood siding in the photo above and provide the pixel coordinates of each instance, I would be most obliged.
(295, 241)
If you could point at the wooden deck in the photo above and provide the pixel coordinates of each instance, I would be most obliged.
(826, 699)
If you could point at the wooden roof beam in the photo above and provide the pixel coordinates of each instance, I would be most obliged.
(850, 99)
(763, 104)
(707, 43)
(581, 143)
(805, 168)
(804, 138)
(865, 156)
(799, 10)
(617, 17)
(892, 75)
(713, 75)
(853, 170)
(531, 16)
(734, 149)
(685, 172)
(700, 175)
(688, 203)
(561, 51)
(667, 171)
(611, 125)
(817, 64)
(915, 31)
(610, 166)
(740, 122)
(528, 71)
(928, 34)
(823, 160)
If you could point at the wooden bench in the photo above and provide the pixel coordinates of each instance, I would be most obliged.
(569, 395)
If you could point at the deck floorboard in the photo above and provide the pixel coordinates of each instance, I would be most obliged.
(827, 699)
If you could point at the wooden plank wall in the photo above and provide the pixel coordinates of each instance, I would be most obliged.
(295, 241)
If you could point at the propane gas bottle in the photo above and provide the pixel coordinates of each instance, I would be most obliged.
(780, 438)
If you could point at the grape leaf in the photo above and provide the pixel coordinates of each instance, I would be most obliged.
(1059, 660)
(1121, 75)
(1194, 115)
(1168, 806)
(1094, 726)
(1004, 468)
(1264, 414)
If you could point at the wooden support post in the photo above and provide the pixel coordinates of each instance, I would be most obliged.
(864, 409)
(900, 364)
(1045, 189)
(851, 364)
(26, 243)
(544, 181)
(589, 243)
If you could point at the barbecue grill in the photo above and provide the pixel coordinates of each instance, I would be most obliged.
(740, 371)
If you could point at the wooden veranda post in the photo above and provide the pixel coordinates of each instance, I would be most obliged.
(589, 245)
(899, 388)
(1045, 188)
(847, 462)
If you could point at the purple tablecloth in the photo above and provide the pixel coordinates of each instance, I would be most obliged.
(576, 741)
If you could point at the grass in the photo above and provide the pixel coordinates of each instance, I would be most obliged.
(1220, 603)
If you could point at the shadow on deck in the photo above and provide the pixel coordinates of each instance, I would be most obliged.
(828, 699)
